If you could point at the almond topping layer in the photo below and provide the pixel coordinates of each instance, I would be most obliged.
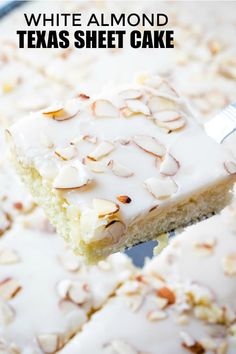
(70, 177)
(105, 207)
(103, 149)
(169, 165)
(150, 145)
(124, 199)
(120, 170)
(161, 188)
(104, 109)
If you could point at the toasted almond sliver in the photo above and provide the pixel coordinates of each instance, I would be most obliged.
(124, 199)
(137, 106)
(167, 116)
(9, 288)
(150, 145)
(49, 343)
(172, 125)
(78, 293)
(53, 109)
(105, 207)
(120, 170)
(103, 149)
(159, 103)
(161, 188)
(167, 294)
(169, 166)
(66, 153)
(91, 139)
(9, 256)
(230, 167)
(70, 177)
(104, 109)
(131, 94)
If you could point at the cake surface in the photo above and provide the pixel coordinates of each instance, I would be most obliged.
(183, 301)
(121, 168)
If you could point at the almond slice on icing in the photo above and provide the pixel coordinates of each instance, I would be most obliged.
(8, 256)
(70, 177)
(9, 287)
(167, 294)
(66, 153)
(161, 188)
(105, 207)
(60, 113)
(229, 264)
(49, 342)
(159, 103)
(78, 293)
(172, 125)
(230, 167)
(53, 109)
(150, 145)
(124, 199)
(130, 94)
(104, 109)
(7, 314)
(137, 106)
(169, 165)
(120, 170)
(167, 116)
(103, 149)
(95, 166)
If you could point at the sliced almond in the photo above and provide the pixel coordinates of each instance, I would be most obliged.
(169, 165)
(53, 109)
(70, 177)
(9, 287)
(156, 315)
(96, 166)
(60, 113)
(8, 256)
(83, 96)
(150, 145)
(172, 125)
(167, 116)
(5, 222)
(103, 149)
(230, 167)
(105, 207)
(206, 247)
(49, 342)
(120, 170)
(7, 314)
(159, 103)
(66, 153)
(161, 188)
(104, 109)
(167, 294)
(229, 264)
(124, 199)
(137, 106)
(195, 348)
(91, 139)
(130, 94)
(63, 287)
(114, 230)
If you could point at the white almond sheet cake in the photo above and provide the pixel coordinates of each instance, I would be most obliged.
(183, 301)
(121, 168)
(46, 293)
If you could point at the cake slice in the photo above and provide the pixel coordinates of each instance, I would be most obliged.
(183, 301)
(121, 168)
